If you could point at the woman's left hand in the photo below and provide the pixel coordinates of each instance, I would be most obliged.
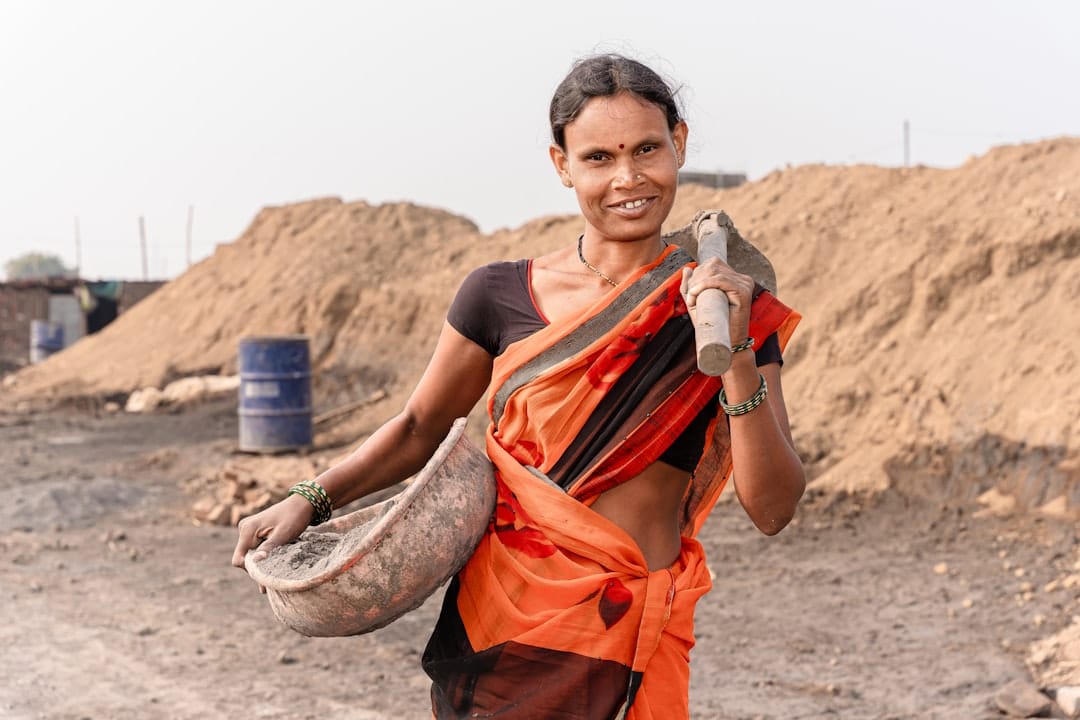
(739, 289)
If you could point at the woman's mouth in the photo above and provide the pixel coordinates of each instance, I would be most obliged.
(633, 204)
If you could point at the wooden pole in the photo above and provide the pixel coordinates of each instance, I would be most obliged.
(78, 250)
(142, 245)
(190, 220)
(907, 143)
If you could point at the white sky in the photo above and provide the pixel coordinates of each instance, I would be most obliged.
(112, 110)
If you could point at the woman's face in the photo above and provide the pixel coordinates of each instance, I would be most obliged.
(624, 165)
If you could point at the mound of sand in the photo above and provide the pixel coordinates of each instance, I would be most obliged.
(939, 349)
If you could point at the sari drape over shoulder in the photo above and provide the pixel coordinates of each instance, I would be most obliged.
(557, 615)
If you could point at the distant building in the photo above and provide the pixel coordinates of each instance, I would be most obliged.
(79, 307)
(713, 180)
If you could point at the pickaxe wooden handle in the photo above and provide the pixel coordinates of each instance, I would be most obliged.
(712, 320)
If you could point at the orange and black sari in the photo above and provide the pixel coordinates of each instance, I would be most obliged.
(556, 615)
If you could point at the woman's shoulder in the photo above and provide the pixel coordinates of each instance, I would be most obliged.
(491, 300)
(492, 277)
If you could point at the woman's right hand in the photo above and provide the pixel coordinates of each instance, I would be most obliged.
(456, 377)
(276, 525)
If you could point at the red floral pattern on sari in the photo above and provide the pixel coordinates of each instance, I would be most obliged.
(615, 601)
(625, 349)
(515, 529)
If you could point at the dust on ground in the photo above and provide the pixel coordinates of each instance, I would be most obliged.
(116, 606)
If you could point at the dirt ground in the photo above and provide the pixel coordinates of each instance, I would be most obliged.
(114, 605)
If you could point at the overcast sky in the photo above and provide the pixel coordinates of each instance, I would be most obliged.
(115, 110)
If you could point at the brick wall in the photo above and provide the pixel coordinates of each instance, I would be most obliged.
(26, 300)
(19, 304)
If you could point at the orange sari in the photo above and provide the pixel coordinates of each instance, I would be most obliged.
(557, 615)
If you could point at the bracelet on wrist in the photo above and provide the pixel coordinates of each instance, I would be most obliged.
(747, 344)
(744, 407)
(315, 494)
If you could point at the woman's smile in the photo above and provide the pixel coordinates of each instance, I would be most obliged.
(633, 208)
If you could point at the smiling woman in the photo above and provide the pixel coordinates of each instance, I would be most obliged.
(609, 446)
(624, 165)
(619, 140)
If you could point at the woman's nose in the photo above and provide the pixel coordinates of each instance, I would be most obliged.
(627, 176)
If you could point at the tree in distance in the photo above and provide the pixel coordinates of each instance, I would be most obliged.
(36, 265)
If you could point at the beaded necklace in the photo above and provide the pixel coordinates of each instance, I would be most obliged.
(586, 263)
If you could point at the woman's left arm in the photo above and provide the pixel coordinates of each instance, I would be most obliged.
(768, 474)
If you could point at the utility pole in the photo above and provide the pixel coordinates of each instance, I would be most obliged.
(190, 220)
(907, 143)
(142, 245)
(78, 250)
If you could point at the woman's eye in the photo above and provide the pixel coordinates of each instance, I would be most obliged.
(647, 149)
(595, 157)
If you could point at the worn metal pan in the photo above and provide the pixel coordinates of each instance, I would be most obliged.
(363, 570)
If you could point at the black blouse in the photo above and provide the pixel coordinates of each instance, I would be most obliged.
(494, 307)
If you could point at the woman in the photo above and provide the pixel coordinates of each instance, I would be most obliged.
(609, 447)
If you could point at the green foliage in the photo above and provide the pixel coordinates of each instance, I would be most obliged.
(36, 265)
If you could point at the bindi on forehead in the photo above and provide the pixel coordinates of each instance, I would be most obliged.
(621, 146)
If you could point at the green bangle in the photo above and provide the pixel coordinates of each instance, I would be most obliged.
(744, 407)
(314, 485)
(746, 344)
(316, 502)
(325, 508)
(315, 494)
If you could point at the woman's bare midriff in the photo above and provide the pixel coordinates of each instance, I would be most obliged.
(647, 508)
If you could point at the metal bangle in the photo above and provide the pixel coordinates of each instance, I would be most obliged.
(746, 344)
(314, 493)
(319, 516)
(744, 407)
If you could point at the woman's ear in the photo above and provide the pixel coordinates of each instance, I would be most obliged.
(561, 163)
(678, 137)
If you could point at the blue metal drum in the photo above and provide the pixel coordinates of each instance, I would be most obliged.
(275, 393)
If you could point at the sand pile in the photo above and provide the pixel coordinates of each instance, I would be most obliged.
(939, 349)
(368, 284)
(939, 352)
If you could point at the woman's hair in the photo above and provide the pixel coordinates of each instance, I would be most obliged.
(604, 76)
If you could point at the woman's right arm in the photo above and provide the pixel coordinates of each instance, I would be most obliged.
(455, 379)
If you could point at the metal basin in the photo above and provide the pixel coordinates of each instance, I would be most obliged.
(361, 571)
